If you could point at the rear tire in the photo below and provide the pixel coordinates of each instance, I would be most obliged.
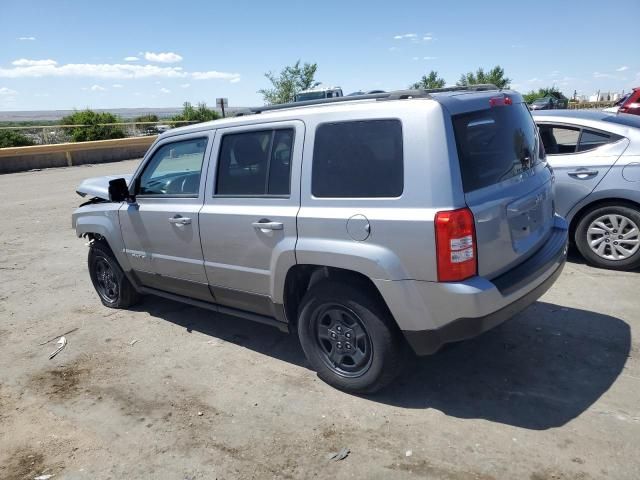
(112, 286)
(349, 337)
(608, 237)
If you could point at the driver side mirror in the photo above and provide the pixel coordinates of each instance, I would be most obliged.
(119, 191)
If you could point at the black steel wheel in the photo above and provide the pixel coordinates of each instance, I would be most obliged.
(349, 336)
(110, 282)
(343, 340)
(106, 284)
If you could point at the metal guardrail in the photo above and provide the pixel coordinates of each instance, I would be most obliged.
(56, 134)
(69, 148)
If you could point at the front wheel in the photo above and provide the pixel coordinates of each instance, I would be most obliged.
(609, 237)
(110, 282)
(349, 337)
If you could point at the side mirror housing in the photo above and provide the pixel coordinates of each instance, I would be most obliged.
(118, 190)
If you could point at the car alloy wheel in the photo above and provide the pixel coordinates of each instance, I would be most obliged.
(613, 237)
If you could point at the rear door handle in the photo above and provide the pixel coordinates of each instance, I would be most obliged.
(583, 173)
(179, 220)
(268, 225)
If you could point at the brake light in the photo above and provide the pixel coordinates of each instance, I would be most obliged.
(500, 101)
(455, 245)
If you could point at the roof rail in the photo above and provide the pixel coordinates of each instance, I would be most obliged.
(395, 95)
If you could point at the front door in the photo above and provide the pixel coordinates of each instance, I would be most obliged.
(160, 230)
(248, 222)
(580, 158)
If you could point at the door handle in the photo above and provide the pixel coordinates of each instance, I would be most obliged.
(268, 225)
(179, 220)
(583, 173)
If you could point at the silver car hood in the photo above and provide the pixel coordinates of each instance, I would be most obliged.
(99, 186)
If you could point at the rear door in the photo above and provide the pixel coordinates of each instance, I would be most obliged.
(507, 185)
(248, 222)
(580, 158)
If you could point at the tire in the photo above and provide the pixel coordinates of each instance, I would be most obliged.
(344, 312)
(608, 237)
(112, 286)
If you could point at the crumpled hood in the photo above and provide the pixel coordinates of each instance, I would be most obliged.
(99, 186)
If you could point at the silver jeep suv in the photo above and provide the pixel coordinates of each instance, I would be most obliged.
(365, 224)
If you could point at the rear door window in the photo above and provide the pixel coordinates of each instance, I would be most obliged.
(255, 163)
(559, 140)
(495, 144)
(358, 159)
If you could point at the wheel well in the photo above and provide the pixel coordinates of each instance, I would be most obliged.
(300, 278)
(622, 202)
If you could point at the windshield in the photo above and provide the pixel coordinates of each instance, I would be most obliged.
(301, 97)
(541, 100)
(622, 100)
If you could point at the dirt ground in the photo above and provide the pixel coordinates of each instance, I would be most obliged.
(169, 391)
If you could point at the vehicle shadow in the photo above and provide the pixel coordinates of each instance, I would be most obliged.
(539, 370)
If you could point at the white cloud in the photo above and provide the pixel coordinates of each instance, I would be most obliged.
(393, 49)
(165, 90)
(622, 68)
(24, 68)
(185, 85)
(426, 38)
(131, 59)
(533, 80)
(416, 58)
(97, 88)
(7, 91)
(27, 39)
(96, 70)
(603, 75)
(165, 57)
(215, 75)
(117, 85)
(429, 58)
(23, 62)
(405, 35)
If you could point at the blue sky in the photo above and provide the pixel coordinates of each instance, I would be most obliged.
(108, 54)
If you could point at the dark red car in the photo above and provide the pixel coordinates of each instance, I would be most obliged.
(630, 103)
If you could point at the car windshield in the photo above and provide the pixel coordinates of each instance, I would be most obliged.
(622, 100)
(301, 97)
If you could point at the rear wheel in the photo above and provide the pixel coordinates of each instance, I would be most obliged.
(112, 286)
(609, 237)
(348, 337)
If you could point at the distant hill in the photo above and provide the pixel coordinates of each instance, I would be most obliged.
(125, 113)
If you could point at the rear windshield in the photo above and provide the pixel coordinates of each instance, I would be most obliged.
(495, 144)
(625, 119)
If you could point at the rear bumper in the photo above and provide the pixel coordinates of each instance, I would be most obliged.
(431, 314)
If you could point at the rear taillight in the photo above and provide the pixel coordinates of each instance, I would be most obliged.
(455, 245)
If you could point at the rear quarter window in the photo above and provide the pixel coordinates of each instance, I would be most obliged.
(358, 159)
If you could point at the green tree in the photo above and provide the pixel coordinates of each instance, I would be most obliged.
(494, 76)
(432, 80)
(93, 126)
(541, 93)
(291, 80)
(149, 117)
(11, 138)
(200, 113)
